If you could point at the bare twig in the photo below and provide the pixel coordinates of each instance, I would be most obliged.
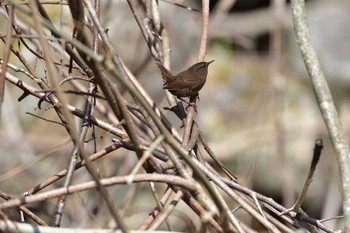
(170, 179)
(25, 210)
(315, 158)
(166, 213)
(152, 216)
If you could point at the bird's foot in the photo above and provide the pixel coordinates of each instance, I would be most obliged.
(193, 105)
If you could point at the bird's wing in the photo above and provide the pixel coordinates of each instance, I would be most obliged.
(181, 83)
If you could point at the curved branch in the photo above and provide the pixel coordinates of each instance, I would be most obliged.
(170, 179)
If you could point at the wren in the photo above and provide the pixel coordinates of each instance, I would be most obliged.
(187, 83)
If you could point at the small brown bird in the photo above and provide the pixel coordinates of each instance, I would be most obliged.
(188, 82)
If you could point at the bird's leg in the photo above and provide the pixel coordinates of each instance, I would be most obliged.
(185, 101)
(189, 104)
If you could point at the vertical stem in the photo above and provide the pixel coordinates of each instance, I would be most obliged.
(6, 55)
(325, 102)
(201, 57)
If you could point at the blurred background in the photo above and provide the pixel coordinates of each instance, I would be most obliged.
(257, 109)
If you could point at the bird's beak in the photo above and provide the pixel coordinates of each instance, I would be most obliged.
(209, 62)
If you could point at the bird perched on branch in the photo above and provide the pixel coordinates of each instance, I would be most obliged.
(187, 83)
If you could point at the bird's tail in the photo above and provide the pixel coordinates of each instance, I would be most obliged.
(166, 74)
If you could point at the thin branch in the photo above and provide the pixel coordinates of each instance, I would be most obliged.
(77, 112)
(79, 165)
(44, 119)
(6, 55)
(201, 57)
(325, 102)
(166, 213)
(235, 197)
(160, 206)
(315, 158)
(170, 179)
(25, 210)
(35, 160)
(178, 3)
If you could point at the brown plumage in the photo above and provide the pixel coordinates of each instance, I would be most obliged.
(188, 82)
